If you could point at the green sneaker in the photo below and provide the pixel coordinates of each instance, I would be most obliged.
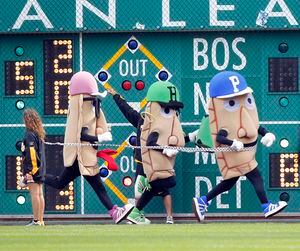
(137, 217)
(141, 184)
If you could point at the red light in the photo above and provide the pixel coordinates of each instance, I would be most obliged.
(126, 85)
(139, 85)
(127, 181)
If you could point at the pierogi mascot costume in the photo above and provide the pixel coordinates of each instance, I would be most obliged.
(86, 123)
(234, 122)
(161, 127)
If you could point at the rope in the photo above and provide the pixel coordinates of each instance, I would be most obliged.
(181, 149)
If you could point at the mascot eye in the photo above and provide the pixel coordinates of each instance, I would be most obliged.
(231, 105)
(166, 112)
(249, 102)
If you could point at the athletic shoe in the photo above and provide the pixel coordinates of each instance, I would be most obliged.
(120, 213)
(169, 220)
(271, 209)
(200, 207)
(33, 223)
(141, 184)
(137, 217)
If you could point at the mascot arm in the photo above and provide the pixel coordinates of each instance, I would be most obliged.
(130, 114)
(234, 144)
(84, 136)
(268, 137)
(222, 138)
(262, 131)
(152, 140)
(191, 137)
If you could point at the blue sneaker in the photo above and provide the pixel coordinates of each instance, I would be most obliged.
(271, 209)
(200, 207)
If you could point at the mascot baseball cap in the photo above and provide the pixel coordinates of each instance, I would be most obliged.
(84, 82)
(228, 84)
(165, 93)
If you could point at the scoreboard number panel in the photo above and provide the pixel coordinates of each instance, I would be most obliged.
(58, 70)
(284, 170)
(13, 172)
(19, 78)
(283, 75)
(56, 200)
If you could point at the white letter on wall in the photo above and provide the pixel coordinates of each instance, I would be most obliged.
(202, 54)
(239, 54)
(284, 13)
(218, 198)
(110, 18)
(199, 94)
(166, 16)
(213, 13)
(40, 15)
(238, 192)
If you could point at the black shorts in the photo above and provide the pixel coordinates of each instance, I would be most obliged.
(39, 177)
(161, 186)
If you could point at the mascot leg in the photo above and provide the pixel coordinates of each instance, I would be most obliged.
(141, 184)
(117, 213)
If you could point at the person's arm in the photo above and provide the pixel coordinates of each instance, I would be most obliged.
(130, 114)
(31, 159)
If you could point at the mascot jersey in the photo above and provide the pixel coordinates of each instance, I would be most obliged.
(233, 116)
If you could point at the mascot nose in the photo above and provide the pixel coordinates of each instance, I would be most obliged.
(247, 128)
(173, 140)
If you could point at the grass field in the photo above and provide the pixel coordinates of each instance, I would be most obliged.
(209, 236)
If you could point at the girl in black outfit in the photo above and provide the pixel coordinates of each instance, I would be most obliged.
(34, 166)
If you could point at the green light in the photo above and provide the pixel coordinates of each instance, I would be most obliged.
(19, 51)
(284, 101)
(20, 104)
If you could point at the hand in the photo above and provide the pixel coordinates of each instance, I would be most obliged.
(105, 137)
(111, 91)
(29, 178)
(237, 145)
(193, 135)
(170, 152)
(268, 139)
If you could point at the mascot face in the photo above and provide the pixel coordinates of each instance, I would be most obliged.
(232, 108)
(237, 115)
(165, 121)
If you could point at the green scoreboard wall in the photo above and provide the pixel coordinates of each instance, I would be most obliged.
(36, 70)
